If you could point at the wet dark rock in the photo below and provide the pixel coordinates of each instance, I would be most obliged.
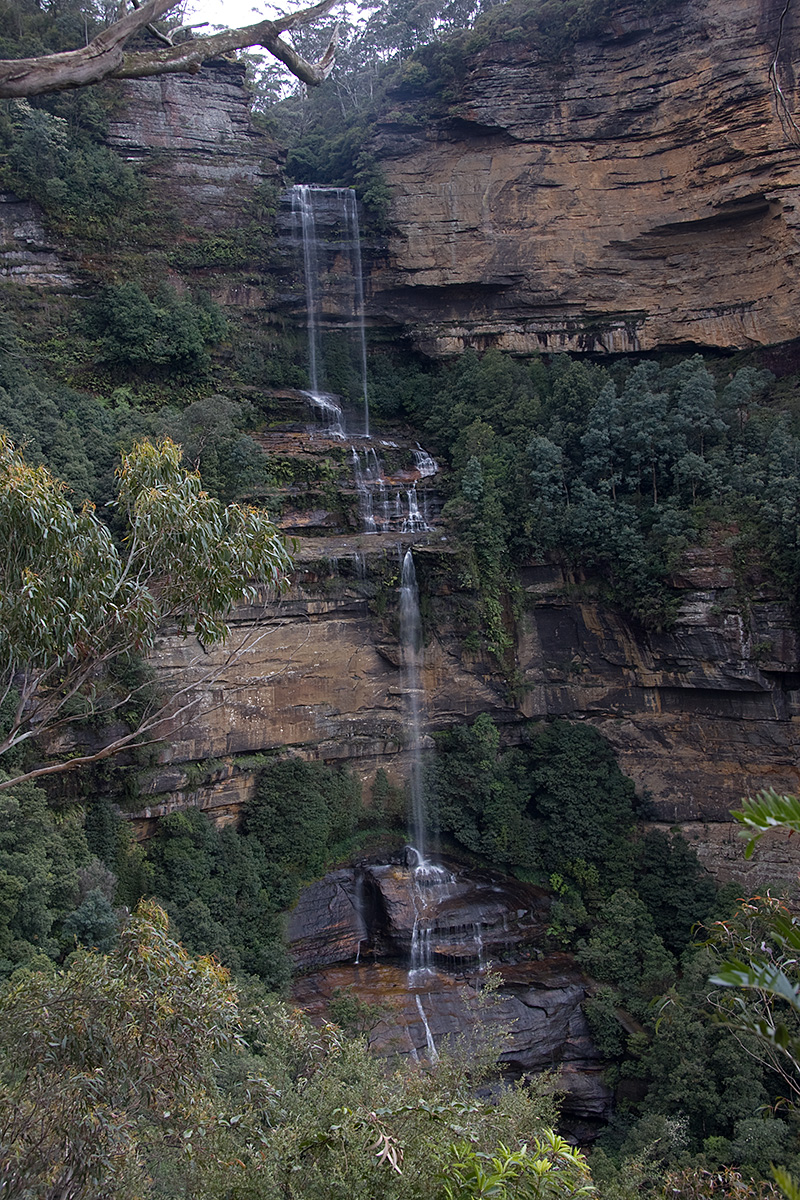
(325, 925)
(354, 929)
(475, 914)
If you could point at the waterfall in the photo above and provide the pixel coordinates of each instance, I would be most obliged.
(365, 512)
(477, 934)
(360, 915)
(425, 463)
(415, 522)
(433, 1053)
(327, 408)
(411, 654)
(351, 207)
(430, 883)
(326, 225)
(303, 213)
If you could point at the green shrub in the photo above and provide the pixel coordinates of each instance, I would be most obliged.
(299, 813)
(168, 333)
(81, 184)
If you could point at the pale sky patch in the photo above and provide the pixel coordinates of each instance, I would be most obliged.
(232, 13)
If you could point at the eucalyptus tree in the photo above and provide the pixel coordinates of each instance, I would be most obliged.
(74, 604)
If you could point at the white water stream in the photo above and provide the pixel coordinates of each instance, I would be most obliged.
(334, 283)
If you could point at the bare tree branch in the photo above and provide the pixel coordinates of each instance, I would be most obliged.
(169, 716)
(787, 121)
(105, 56)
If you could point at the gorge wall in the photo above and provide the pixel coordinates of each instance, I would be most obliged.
(698, 716)
(643, 194)
(645, 197)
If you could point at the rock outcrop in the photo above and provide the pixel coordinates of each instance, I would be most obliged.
(196, 135)
(354, 928)
(698, 716)
(28, 254)
(643, 194)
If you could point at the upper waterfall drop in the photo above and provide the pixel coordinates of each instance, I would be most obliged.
(326, 226)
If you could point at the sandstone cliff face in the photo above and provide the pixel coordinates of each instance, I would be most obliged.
(28, 254)
(645, 196)
(195, 131)
(698, 716)
(194, 137)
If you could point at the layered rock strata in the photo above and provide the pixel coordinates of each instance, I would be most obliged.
(28, 254)
(641, 194)
(194, 136)
(355, 927)
(195, 133)
(698, 716)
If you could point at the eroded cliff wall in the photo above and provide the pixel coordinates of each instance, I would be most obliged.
(698, 716)
(643, 194)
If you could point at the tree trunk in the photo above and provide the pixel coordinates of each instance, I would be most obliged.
(105, 57)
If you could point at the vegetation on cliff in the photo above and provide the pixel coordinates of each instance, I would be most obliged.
(143, 1072)
(614, 469)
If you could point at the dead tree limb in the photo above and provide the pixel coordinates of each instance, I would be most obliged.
(105, 57)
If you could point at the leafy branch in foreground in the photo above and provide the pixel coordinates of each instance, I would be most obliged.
(550, 1170)
(761, 941)
(72, 603)
(106, 1057)
(765, 965)
(768, 810)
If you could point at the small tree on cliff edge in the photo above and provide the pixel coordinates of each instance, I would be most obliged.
(72, 605)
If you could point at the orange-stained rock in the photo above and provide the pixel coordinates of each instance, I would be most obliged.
(643, 194)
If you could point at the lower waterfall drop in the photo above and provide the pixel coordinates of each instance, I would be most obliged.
(430, 883)
(433, 1053)
(411, 658)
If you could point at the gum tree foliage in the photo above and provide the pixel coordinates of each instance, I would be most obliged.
(100, 1058)
(551, 1170)
(166, 333)
(720, 1050)
(225, 890)
(299, 813)
(761, 944)
(73, 603)
(216, 887)
(79, 437)
(613, 470)
(674, 886)
(79, 182)
(142, 1073)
